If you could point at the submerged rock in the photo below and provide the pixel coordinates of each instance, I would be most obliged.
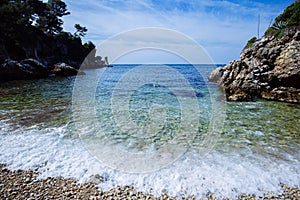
(269, 69)
(186, 93)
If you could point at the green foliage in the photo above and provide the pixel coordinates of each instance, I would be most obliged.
(277, 29)
(279, 34)
(279, 25)
(39, 9)
(250, 42)
(89, 45)
(16, 23)
(23, 14)
(50, 21)
(289, 18)
(269, 31)
(291, 15)
(33, 29)
(45, 16)
(80, 30)
(276, 33)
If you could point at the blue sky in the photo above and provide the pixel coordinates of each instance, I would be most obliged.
(221, 27)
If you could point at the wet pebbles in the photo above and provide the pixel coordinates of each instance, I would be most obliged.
(22, 184)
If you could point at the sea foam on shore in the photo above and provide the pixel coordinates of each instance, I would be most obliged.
(224, 175)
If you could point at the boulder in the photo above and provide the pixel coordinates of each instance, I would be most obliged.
(26, 69)
(63, 69)
(286, 94)
(39, 69)
(269, 69)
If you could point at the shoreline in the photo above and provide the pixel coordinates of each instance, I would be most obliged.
(25, 184)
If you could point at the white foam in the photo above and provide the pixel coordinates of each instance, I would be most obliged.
(224, 174)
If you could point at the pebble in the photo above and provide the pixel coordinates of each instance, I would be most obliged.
(25, 185)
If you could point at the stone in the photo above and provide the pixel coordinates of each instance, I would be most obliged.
(271, 72)
(63, 69)
(26, 69)
(52, 189)
(96, 179)
(297, 36)
(283, 94)
(216, 74)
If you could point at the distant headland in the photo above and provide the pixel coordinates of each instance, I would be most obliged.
(34, 45)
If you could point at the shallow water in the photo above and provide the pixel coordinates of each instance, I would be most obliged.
(168, 115)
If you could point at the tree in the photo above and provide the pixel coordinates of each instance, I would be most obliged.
(33, 29)
(50, 21)
(15, 12)
(39, 9)
(15, 17)
(80, 30)
(89, 46)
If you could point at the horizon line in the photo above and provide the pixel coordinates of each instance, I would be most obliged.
(167, 64)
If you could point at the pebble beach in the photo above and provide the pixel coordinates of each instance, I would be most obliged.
(25, 184)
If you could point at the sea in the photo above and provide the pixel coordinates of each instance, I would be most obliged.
(158, 128)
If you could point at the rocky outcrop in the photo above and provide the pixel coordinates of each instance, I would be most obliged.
(269, 69)
(27, 69)
(62, 69)
(33, 69)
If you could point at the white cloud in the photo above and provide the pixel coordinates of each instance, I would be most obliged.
(223, 27)
(160, 41)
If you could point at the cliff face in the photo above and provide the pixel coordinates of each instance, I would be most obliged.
(269, 69)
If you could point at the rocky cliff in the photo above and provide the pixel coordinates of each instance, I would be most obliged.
(269, 69)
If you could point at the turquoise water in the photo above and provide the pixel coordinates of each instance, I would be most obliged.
(47, 103)
(256, 133)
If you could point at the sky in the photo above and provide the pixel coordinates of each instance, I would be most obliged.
(221, 27)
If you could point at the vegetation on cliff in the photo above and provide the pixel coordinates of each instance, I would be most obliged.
(33, 29)
(289, 19)
(250, 42)
(269, 67)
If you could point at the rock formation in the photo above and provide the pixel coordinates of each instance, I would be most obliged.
(27, 69)
(268, 69)
(33, 69)
(62, 69)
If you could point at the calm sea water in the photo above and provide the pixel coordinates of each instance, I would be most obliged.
(54, 124)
